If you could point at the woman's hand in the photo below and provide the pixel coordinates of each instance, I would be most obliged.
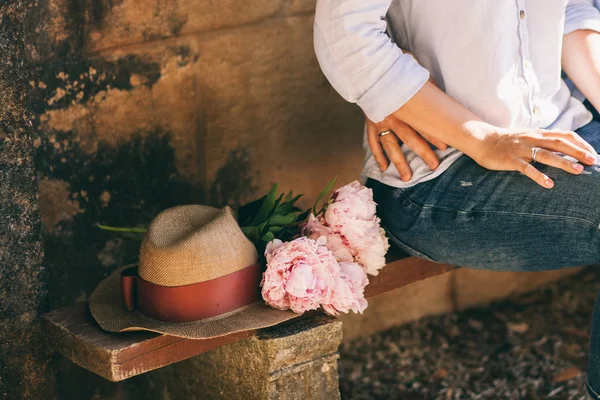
(504, 150)
(387, 149)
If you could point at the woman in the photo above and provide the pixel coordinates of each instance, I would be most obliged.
(500, 197)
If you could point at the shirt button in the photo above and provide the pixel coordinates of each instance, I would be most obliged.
(536, 110)
(522, 14)
(527, 64)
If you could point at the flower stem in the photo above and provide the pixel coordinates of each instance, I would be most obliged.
(121, 229)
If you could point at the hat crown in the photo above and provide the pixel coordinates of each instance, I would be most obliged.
(191, 244)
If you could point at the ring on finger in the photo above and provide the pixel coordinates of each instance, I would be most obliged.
(534, 152)
(382, 134)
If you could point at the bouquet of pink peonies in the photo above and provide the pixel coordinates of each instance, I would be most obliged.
(328, 265)
(312, 259)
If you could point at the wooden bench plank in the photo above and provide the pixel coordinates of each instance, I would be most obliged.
(403, 272)
(72, 332)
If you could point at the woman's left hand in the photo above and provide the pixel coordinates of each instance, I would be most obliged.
(387, 148)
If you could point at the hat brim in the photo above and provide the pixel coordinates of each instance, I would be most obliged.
(107, 308)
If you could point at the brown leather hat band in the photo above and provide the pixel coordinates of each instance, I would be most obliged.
(191, 302)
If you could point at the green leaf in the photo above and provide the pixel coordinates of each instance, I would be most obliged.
(288, 207)
(121, 229)
(323, 194)
(267, 237)
(279, 200)
(283, 220)
(267, 206)
(247, 212)
(263, 228)
(295, 199)
(277, 204)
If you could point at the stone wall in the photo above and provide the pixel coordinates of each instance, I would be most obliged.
(139, 106)
(129, 107)
(23, 362)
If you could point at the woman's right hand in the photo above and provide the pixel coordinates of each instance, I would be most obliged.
(506, 150)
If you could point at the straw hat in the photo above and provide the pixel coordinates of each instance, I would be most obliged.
(198, 277)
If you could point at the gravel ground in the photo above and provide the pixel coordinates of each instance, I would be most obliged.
(529, 347)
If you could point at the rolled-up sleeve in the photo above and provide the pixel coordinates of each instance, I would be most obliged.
(581, 14)
(360, 60)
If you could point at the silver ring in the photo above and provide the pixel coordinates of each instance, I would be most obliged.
(385, 133)
(534, 151)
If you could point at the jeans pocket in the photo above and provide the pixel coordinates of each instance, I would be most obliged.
(397, 242)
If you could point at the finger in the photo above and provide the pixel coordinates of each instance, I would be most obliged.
(531, 172)
(556, 161)
(437, 143)
(574, 138)
(375, 145)
(394, 153)
(415, 142)
(565, 147)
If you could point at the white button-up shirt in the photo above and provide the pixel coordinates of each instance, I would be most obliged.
(499, 58)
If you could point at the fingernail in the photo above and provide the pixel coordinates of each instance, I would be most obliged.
(549, 183)
(578, 167)
(589, 157)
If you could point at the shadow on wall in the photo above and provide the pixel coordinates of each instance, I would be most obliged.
(123, 185)
(234, 181)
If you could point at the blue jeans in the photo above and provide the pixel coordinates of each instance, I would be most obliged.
(594, 112)
(502, 221)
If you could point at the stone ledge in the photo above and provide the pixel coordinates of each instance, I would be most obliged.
(296, 360)
(293, 344)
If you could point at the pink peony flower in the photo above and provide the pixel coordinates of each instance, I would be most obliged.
(348, 292)
(353, 201)
(316, 228)
(300, 274)
(352, 229)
